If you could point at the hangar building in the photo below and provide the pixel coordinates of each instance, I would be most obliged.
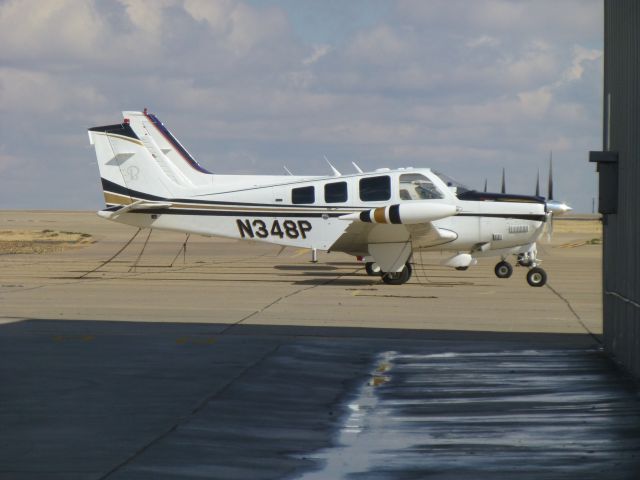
(619, 182)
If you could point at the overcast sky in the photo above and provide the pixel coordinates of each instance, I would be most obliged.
(466, 87)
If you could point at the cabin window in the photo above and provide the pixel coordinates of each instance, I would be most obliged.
(335, 192)
(374, 189)
(303, 195)
(414, 186)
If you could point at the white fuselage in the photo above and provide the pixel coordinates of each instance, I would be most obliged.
(264, 208)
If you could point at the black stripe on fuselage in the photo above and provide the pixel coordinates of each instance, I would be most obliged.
(111, 187)
(475, 196)
(532, 216)
(123, 129)
(232, 213)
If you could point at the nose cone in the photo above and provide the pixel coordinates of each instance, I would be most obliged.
(558, 208)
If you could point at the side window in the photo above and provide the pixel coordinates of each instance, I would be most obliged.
(335, 192)
(303, 195)
(414, 186)
(375, 188)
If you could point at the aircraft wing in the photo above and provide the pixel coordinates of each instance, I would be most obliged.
(428, 235)
(388, 234)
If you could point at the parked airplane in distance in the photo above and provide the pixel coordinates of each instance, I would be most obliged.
(151, 181)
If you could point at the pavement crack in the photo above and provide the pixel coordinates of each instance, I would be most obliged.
(575, 314)
(184, 419)
(288, 295)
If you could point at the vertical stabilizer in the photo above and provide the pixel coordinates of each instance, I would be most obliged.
(128, 170)
(163, 144)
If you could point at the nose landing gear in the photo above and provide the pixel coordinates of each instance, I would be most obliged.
(503, 269)
(536, 276)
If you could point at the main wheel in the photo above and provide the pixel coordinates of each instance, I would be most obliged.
(536, 277)
(462, 269)
(503, 269)
(398, 278)
(372, 268)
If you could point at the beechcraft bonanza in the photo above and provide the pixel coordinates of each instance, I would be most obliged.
(151, 181)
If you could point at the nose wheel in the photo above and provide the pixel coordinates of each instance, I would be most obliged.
(536, 277)
(503, 269)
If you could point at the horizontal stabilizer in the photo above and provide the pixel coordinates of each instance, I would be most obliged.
(132, 207)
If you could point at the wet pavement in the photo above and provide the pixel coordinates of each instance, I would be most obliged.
(125, 400)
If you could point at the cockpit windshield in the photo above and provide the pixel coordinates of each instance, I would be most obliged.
(457, 187)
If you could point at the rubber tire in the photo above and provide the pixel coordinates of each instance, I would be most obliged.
(398, 278)
(536, 277)
(462, 269)
(370, 269)
(503, 269)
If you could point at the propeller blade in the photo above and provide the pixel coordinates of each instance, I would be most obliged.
(550, 192)
(538, 184)
(504, 187)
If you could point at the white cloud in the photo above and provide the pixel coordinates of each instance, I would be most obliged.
(483, 41)
(456, 84)
(319, 51)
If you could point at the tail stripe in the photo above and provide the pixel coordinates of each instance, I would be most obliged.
(176, 144)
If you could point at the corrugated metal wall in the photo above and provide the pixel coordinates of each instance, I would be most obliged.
(621, 255)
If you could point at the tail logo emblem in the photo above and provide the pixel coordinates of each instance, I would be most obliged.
(133, 172)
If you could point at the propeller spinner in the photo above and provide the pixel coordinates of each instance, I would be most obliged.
(554, 206)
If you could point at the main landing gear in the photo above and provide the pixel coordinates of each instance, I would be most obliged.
(536, 276)
(390, 278)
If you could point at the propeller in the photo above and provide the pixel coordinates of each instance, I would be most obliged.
(554, 207)
(550, 186)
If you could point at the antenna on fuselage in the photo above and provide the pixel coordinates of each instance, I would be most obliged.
(336, 172)
(358, 169)
(538, 184)
(485, 185)
(287, 170)
(504, 183)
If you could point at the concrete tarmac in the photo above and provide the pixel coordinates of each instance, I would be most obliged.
(244, 361)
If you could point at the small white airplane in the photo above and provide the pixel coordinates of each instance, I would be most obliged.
(151, 181)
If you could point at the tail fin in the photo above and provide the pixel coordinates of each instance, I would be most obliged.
(159, 140)
(128, 170)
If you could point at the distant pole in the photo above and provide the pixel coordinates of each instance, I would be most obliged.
(593, 205)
